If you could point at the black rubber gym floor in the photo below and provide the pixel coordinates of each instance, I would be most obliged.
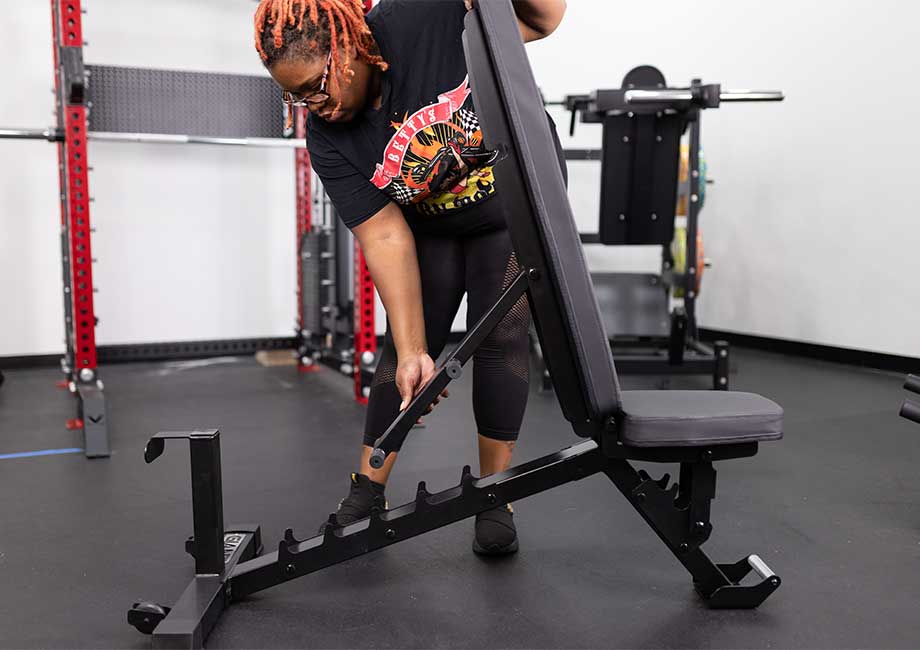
(834, 509)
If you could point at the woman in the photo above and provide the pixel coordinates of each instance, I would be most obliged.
(395, 139)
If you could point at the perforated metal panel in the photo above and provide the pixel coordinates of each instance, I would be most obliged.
(138, 100)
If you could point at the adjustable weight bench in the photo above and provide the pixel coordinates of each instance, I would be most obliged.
(690, 428)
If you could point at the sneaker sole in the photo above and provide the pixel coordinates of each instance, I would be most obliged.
(502, 550)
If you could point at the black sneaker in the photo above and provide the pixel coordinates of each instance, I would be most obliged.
(364, 496)
(495, 532)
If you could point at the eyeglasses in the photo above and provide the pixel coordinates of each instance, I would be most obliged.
(310, 99)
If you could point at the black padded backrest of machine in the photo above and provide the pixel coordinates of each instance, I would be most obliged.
(639, 167)
(532, 196)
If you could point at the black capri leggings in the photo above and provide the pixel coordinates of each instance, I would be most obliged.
(482, 266)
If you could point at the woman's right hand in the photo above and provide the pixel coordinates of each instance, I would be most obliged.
(413, 372)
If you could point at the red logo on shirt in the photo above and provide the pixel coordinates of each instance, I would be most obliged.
(441, 112)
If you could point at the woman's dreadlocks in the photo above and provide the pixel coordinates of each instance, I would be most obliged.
(287, 29)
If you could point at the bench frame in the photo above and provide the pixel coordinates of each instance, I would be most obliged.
(229, 564)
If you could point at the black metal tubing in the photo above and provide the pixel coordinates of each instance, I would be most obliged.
(334, 358)
(734, 596)
(677, 343)
(428, 512)
(92, 412)
(344, 265)
(71, 62)
(650, 357)
(910, 411)
(207, 493)
(191, 619)
(216, 552)
(165, 351)
(199, 607)
(657, 365)
(679, 515)
(723, 365)
(693, 214)
(678, 99)
(207, 503)
(635, 358)
(583, 154)
(641, 344)
(194, 615)
(654, 500)
(614, 449)
(574, 104)
(702, 348)
(394, 436)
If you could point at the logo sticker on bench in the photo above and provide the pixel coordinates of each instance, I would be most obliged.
(232, 541)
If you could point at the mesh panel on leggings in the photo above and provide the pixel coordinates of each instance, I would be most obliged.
(511, 334)
(386, 372)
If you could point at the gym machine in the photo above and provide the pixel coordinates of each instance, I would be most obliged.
(335, 292)
(126, 105)
(83, 92)
(336, 323)
(911, 410)
(651, 318)
(71, 107)
(690, 428)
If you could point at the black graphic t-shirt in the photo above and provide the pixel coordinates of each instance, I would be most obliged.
(423, 147)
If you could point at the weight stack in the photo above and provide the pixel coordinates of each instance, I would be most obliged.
(311, 248)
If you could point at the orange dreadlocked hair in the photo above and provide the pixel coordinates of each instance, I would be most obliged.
(312, 28)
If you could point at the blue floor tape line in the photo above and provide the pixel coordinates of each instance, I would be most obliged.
(43, 452)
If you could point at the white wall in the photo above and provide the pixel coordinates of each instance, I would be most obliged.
(809, 224)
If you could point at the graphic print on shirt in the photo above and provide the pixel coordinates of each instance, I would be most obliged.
(436, 160)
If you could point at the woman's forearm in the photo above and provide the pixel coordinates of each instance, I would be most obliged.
(389, 249)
